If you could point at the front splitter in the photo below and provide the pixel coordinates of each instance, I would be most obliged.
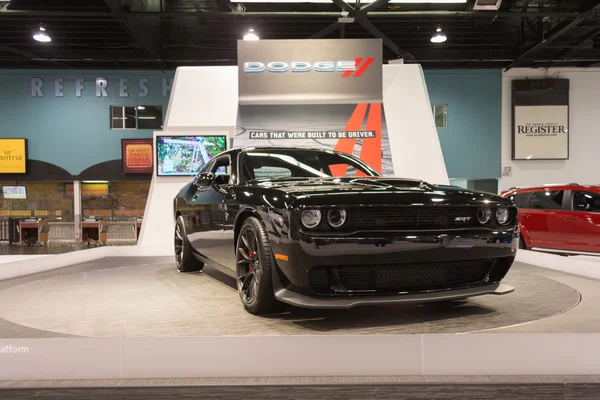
(333, 303)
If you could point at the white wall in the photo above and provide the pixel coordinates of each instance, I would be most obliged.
(203, 101)
(415, 146)
(584, 120)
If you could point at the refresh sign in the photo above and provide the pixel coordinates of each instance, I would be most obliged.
(355, 67)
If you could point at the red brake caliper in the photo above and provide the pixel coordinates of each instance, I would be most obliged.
(250, 266)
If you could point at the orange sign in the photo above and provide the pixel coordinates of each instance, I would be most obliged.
(88, 190)
(13, 156)
(137, 155)
(94, 189)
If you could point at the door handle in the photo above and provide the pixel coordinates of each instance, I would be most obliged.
(571, 217)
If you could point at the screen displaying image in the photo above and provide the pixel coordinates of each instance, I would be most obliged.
(14, 192)
(186, 155)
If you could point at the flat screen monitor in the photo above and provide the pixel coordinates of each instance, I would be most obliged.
(186, 155)
(14, 192)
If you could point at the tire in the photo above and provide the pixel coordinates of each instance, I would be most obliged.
(184, 257)
(254, 266)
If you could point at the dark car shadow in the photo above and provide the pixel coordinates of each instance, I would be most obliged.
(383, 316)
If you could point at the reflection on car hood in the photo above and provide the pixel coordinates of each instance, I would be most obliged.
(314, 185)
(374, 190)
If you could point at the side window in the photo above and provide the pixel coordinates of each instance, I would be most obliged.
(548, 200)
(208, 167)
(337, 170)
(521, 199)
(586, 201)
(221, 166)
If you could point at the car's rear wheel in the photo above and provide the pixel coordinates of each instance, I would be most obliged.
(254, 264)
(184, 259)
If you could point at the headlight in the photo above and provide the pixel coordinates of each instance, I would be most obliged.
(336, 217)
(502, 215)
(310, 218)
(484, 215)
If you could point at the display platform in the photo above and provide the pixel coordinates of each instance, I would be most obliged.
(146, 296)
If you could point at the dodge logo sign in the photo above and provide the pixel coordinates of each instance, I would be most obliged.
(349, 68)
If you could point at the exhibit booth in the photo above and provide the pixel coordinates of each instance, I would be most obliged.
(134, 316)
(364, 110)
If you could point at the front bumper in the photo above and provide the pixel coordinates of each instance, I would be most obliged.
(377, 251)
(299, 300)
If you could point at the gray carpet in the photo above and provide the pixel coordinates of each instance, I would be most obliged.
(148, 297)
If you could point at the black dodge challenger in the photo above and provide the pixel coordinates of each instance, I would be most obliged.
(321, 229)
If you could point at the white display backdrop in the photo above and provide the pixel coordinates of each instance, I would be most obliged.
(415, 146)
(584, 141)
(157, 227)
(203, 102)
(541, 132)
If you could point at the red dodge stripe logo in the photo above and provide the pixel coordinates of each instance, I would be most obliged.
(361, 67)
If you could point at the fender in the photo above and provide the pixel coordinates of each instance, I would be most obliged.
(243, 213)
(525, 235)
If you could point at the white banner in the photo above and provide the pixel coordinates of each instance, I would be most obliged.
(541, 133)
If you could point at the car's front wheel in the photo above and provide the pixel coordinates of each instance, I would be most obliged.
(254, 264)
(184, 259)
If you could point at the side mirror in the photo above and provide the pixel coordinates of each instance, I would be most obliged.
(222, 179)
(204, 179)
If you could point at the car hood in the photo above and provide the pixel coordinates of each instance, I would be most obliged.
(375, 190)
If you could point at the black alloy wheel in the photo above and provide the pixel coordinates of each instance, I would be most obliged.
(184, 259)
(254, 263)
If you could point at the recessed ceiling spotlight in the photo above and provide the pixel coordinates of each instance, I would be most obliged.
(42, 36)
(439, 36)
(251, 35)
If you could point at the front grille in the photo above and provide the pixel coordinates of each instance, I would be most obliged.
(411, 218)
(399, 278)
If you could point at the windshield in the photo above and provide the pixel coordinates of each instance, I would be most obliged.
(300, 163)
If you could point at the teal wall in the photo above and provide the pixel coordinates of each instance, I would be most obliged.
(73, 132)
(471, 141)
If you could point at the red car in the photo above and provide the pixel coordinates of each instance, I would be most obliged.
(562, 218)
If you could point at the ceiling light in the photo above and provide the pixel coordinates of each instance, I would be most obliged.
(439, 36)
(345, 18)
(41, 35)
(251, 35)
(141, 107)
